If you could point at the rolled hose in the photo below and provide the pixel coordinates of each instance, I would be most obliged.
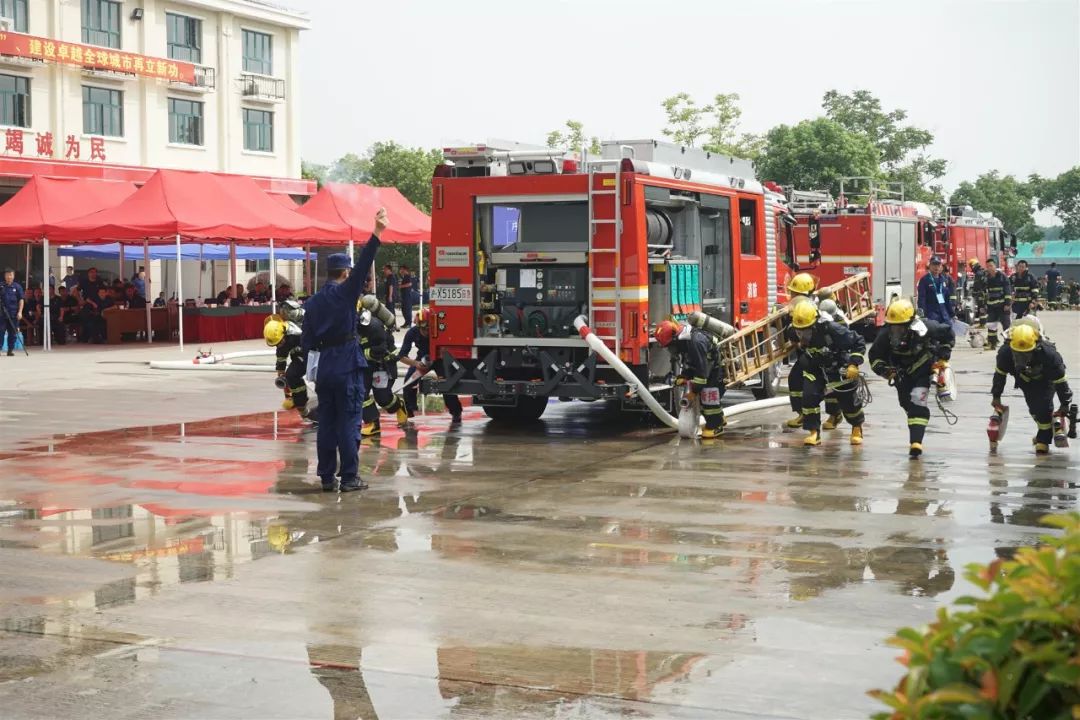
(598, 346)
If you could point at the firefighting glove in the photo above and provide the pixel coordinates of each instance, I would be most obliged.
(680, 381)
(939, 365)
(852, 372)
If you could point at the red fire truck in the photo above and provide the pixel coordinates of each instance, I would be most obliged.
(966, 233)
(869, 228)
(525, 241)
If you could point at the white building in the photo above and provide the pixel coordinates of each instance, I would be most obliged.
(117, 88)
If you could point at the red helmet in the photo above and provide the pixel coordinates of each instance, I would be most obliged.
(666, 332)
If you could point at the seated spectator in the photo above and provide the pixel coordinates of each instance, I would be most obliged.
(284, 292)
(225, 296)
(88, 286)
(239, 298)
(65, 314)
(260, 294)
(118, 295)
(132, 299)
(93, 325)
(160, 300)
(71, 279)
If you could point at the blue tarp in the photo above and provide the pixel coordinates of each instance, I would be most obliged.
(189, 251)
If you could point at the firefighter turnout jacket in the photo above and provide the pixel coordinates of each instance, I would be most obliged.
(925, 343)
(288, 350)
(998, 290)
(1025, 287)
(832, 347)
(1045, 370)
(700, 354)
(376, 342)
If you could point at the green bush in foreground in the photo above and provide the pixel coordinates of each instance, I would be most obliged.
(1014, 655)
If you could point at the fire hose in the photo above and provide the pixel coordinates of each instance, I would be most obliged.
(217, 362)
(641, 389)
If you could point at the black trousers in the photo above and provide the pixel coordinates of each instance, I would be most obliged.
(379, 381)
(710, 396)
(795, 389)
(815, 383)
(997, 320)
(1021, 308)
(913, 392)
(1040, 403)
(294, 381)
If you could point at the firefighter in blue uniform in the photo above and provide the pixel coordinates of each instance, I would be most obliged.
(330, 329)
(417, 336)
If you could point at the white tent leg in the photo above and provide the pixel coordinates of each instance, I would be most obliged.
(307, 269)
(179, 292)
(200, 271)
(352, 259)
(46, 319)
(232, 264)
(147, 293)
(120, 258)
(420, 274)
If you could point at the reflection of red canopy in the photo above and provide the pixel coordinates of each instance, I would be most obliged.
(356, 205)
(45, 201)
(197, 205)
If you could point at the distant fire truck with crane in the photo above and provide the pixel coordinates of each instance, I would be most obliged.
(524, 243)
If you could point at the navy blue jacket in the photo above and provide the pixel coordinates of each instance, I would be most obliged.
(10, 295)
(414, 338)
(330, 319)
(931, 308)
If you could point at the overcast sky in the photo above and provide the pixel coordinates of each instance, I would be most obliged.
(997, 82)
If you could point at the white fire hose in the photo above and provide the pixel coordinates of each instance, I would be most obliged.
(217, 362)
(598, 346)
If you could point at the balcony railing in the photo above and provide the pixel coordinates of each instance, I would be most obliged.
(205, 79)
(262, 87)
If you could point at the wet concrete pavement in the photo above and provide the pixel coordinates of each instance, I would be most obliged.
(589, 567)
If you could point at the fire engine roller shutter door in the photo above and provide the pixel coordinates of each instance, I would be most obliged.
(714, 222)
(908, 257)
(880, 270)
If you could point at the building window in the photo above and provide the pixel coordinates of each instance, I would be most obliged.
(258, 130)
(15, 11)
(251, 266)
(185, 122)
(748, 226)
(14, 101)
(103, 111)
(101, 22)
(258, 57)
(184, 37)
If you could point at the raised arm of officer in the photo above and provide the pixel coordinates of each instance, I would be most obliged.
(354, 286)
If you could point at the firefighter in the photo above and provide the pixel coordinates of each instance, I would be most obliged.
(998, 303)
(700, 370)
(418, 336)
(1074, 295)
(1025, 290)
(978, 293)
(831, 355)
(800, 288)
(284, 335)
(380, 374)
(1040, 373)
(909, 351)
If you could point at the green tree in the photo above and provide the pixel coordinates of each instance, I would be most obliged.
(388, 164)
(902, 149)
(1062, 195)
(1008, 198)
(684, 118)
(314, 171)
(574, 138)
(815, 154)
(723, 124)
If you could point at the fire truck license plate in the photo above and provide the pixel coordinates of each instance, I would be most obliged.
(452, 295)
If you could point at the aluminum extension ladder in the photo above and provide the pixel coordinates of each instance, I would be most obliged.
(608, 331)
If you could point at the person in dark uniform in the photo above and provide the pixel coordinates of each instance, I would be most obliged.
(13, 300)
(908, 351)
(1040, 374)
(283, 333)
(417, 337)
(389, 288)
(330, 329)
(998, 303)
(406, 290)
(1053, 275)
(380, 374)
(937, 294)
(1025, 290)
(701, 370)
(978, 293)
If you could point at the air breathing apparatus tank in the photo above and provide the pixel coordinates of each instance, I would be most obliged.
(372, 304)
(709, 324)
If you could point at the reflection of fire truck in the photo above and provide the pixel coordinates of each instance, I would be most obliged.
(525, 241)
(869, 228)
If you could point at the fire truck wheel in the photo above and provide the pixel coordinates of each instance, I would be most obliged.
(529, 409)
(770, 383)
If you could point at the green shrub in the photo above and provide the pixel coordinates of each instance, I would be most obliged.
(1014, 655)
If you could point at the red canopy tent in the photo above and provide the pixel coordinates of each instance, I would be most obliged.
(43, 202)
(177, 204)
(356, 205)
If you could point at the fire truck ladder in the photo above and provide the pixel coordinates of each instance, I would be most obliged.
(609, 332)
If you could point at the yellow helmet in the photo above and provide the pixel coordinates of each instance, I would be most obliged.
(804, 315)
(1023, 338)
(278, 538)
(973, 262)
(802, 284)
(900, 312)
(274, 330)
